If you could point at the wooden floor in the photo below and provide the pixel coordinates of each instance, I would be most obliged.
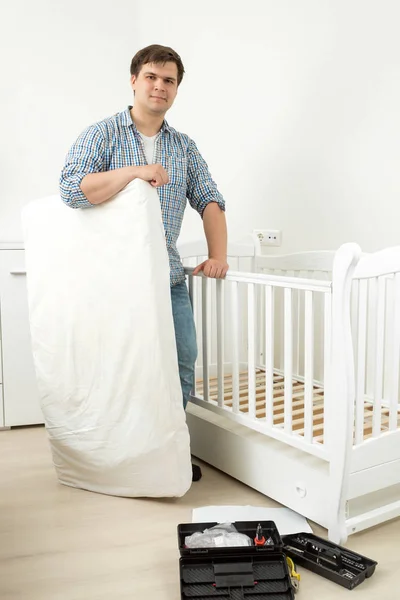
(59, 543)
(278, 403)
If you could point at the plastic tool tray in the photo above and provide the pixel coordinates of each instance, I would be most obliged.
(328, 560)
(236, 573)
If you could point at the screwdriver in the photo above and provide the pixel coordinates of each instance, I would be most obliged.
(259, 540)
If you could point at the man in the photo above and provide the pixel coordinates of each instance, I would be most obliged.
(139, 143)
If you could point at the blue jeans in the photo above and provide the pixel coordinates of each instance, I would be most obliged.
(185, 334)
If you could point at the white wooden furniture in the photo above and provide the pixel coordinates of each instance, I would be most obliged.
(297, 382)
(19, 398)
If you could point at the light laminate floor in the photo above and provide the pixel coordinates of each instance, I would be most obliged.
(58, 543)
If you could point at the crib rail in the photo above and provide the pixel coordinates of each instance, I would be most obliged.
(240, 372)
(265, 344)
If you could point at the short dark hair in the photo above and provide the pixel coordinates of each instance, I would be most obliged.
(159, 55)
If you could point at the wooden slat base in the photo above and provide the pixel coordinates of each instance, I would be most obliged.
(278, 403)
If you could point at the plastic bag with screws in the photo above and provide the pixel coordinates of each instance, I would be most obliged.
(224, 535)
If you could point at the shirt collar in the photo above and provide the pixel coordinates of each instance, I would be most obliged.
(127, 121)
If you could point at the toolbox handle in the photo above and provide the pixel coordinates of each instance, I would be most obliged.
(234, 575)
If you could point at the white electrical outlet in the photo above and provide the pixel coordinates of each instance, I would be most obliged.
(269, 237)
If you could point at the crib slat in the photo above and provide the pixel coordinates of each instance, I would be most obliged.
(298, 322)
(210, 317)
(269, 349)
(198, 305)
(235, 345)
(296, 327)
(361, 358)
(308, 365)
(251, 350)
(281, 320)
(260, 329)
(204, 322)
(379, 351)
(328, 401)
(192, 302)
(288, 358)
(354, 312)
(220, 342)
(394, 375)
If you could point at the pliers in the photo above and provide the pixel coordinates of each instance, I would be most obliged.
(294, 576)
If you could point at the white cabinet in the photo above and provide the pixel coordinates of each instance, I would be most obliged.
(20, 394)
(1, 385)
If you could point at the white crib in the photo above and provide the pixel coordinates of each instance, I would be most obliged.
(297, 380)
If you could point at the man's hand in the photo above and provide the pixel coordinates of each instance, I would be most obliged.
(156, 175)
(213, 267)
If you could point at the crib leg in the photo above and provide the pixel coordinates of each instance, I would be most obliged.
(337, 532)
(336, 536)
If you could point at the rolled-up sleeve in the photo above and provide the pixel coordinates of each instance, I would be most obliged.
(85, 156)
(201, 188)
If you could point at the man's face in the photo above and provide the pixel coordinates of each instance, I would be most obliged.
(156, 87)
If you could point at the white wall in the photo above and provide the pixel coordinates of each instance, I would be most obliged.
(294, 104)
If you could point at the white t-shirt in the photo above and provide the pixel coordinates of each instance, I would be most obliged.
(149, 143)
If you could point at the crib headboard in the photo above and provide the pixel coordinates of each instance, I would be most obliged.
(376, 338)
(313, 265)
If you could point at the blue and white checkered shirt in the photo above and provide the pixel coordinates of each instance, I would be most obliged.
(114, 143)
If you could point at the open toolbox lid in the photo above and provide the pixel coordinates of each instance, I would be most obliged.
(235, 573)
(331, 561)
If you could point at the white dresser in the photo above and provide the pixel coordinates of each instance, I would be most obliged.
(19, 398)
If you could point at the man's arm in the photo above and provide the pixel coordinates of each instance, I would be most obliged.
(85, 179)
(100, 187)
(214, 224)
(204, 197)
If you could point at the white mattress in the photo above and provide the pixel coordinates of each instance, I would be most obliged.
(104, 345)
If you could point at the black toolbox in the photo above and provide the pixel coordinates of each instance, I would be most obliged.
(236, 573)
(331, 561)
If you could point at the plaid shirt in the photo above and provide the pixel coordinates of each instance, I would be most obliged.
(114, 143)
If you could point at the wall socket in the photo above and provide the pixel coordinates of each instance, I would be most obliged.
(269, 237)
